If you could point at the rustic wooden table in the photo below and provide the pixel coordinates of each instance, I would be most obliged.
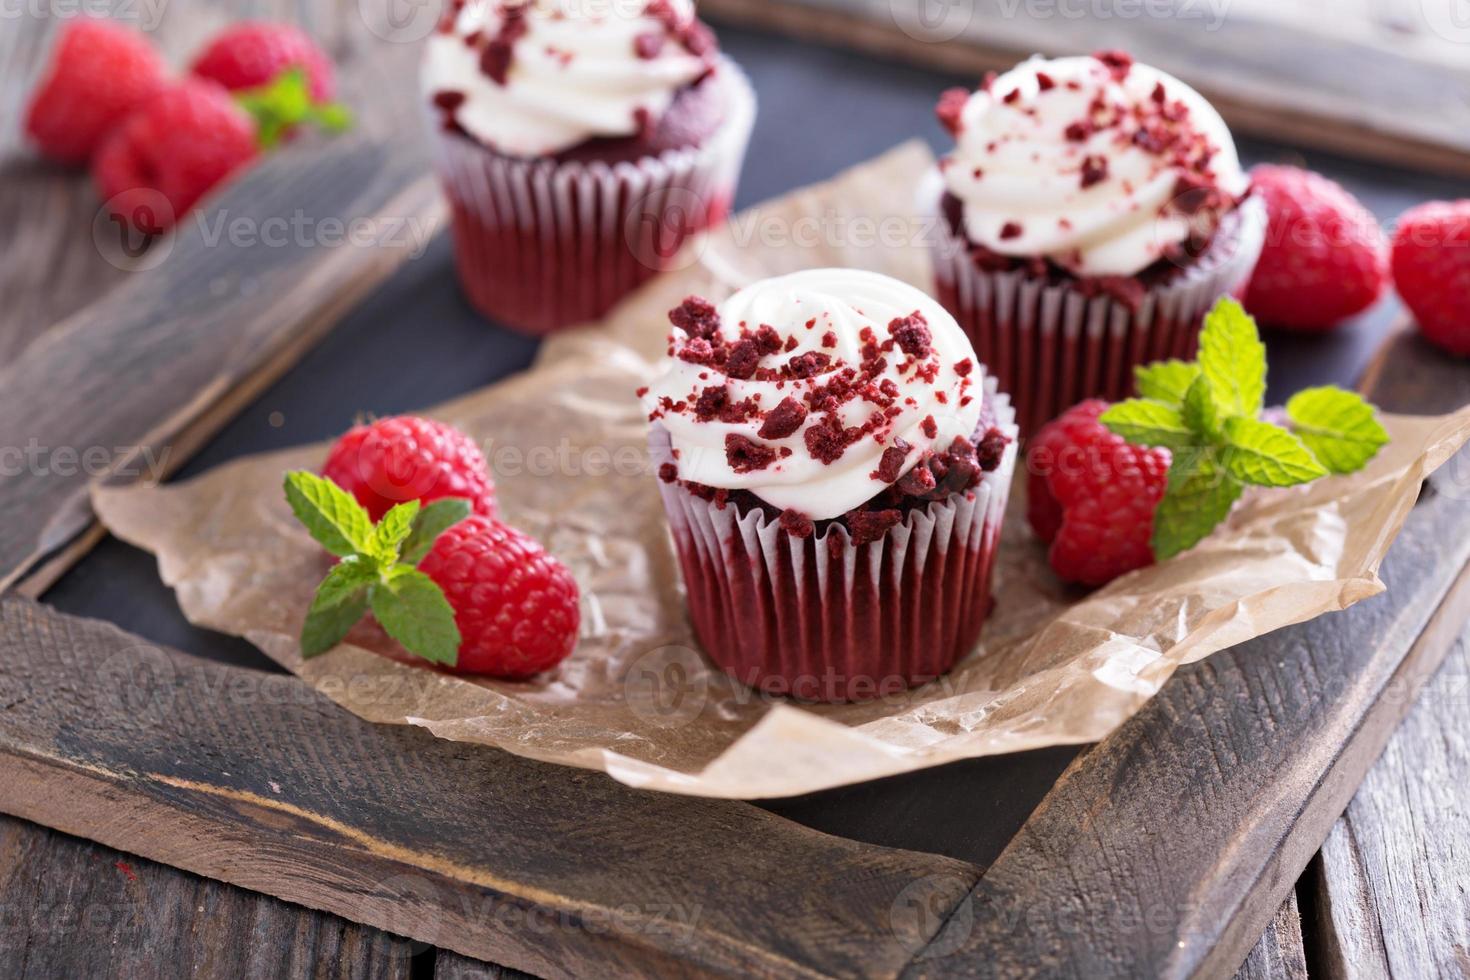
(1388, 893)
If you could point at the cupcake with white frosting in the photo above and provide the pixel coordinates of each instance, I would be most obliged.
(580, 143)
(1092, 210)
(835, 463)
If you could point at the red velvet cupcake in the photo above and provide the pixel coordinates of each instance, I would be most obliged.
(1091, 213)
(580, 146)
(835, 464)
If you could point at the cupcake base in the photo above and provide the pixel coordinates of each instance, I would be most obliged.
(543, 244)
(1053, 345)
(822, 619)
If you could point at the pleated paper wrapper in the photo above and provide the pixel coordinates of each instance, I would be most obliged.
(567, 440)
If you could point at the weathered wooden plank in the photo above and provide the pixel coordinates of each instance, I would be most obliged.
(257, 780)
(1393, 883)
(452, 966)
(1166, 850)
(1268, 76)
(76, 909)
(1279, 954)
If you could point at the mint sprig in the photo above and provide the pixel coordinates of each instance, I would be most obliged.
(377, 571)
(281, 105)
(1207, 413)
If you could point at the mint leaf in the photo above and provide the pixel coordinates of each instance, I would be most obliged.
(340, 601)
(1201, 411)
(334, 518)
(433, 521)
(1339, 427)
(392, 531)
(283, 103)
(412, 609)
(1165, 381)
(1232, 356)
(1148, 423)
(1198, 496)
(1267, 455)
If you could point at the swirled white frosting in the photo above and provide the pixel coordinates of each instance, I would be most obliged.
(848, 319)
(575, 73)
(1080, 160)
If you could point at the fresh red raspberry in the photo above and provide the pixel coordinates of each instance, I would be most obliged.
(1092, 496)
(409, 458)
(1431, 269)
(171, 151)
(99, 72)
(516, 605)
(256, 53)
(1323, 258)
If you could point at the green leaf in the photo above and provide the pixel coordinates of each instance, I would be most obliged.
(1201, 411)
(340, 601)
(1165, 381)
(1267, 455)
(284, 103)
(433, 521)
(336, 520)
(413, 610)
(1232, 356)
(392, 531)
(1198, 497)
(1339, 427)
(1148, 423)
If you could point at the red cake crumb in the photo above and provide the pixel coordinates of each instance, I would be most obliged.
(797, 524)
(951, 106)
(496, 57)
(744, 358)
(1094, 170)
(783, 420)
(697, 317)
(826, 440)
(930, 427)
(668, 472)
(809, 365)
(963, 368)
(911, 333)
(745, 455)
(1010, 230)
(1120, 63)
(891, 463)
(870, 525)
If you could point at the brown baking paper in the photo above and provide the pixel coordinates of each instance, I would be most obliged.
(567, 442)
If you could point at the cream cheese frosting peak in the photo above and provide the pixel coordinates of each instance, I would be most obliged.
(1099, 164)
(536, 77)
(816, 391)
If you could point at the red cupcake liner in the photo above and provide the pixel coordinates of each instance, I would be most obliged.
(822, 619)
(1052, 345)
(540, 245)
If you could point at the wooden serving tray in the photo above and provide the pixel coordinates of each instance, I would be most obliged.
(1165, 850)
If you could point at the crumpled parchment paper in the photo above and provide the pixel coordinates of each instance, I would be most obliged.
(566, 440)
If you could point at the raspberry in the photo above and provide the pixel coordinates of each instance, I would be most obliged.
(1323, 258)
(1092, 496)
(177, 146)
(256, 53)
(516, 605)
(1431, 270)
(99, 72)
(409, 458)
